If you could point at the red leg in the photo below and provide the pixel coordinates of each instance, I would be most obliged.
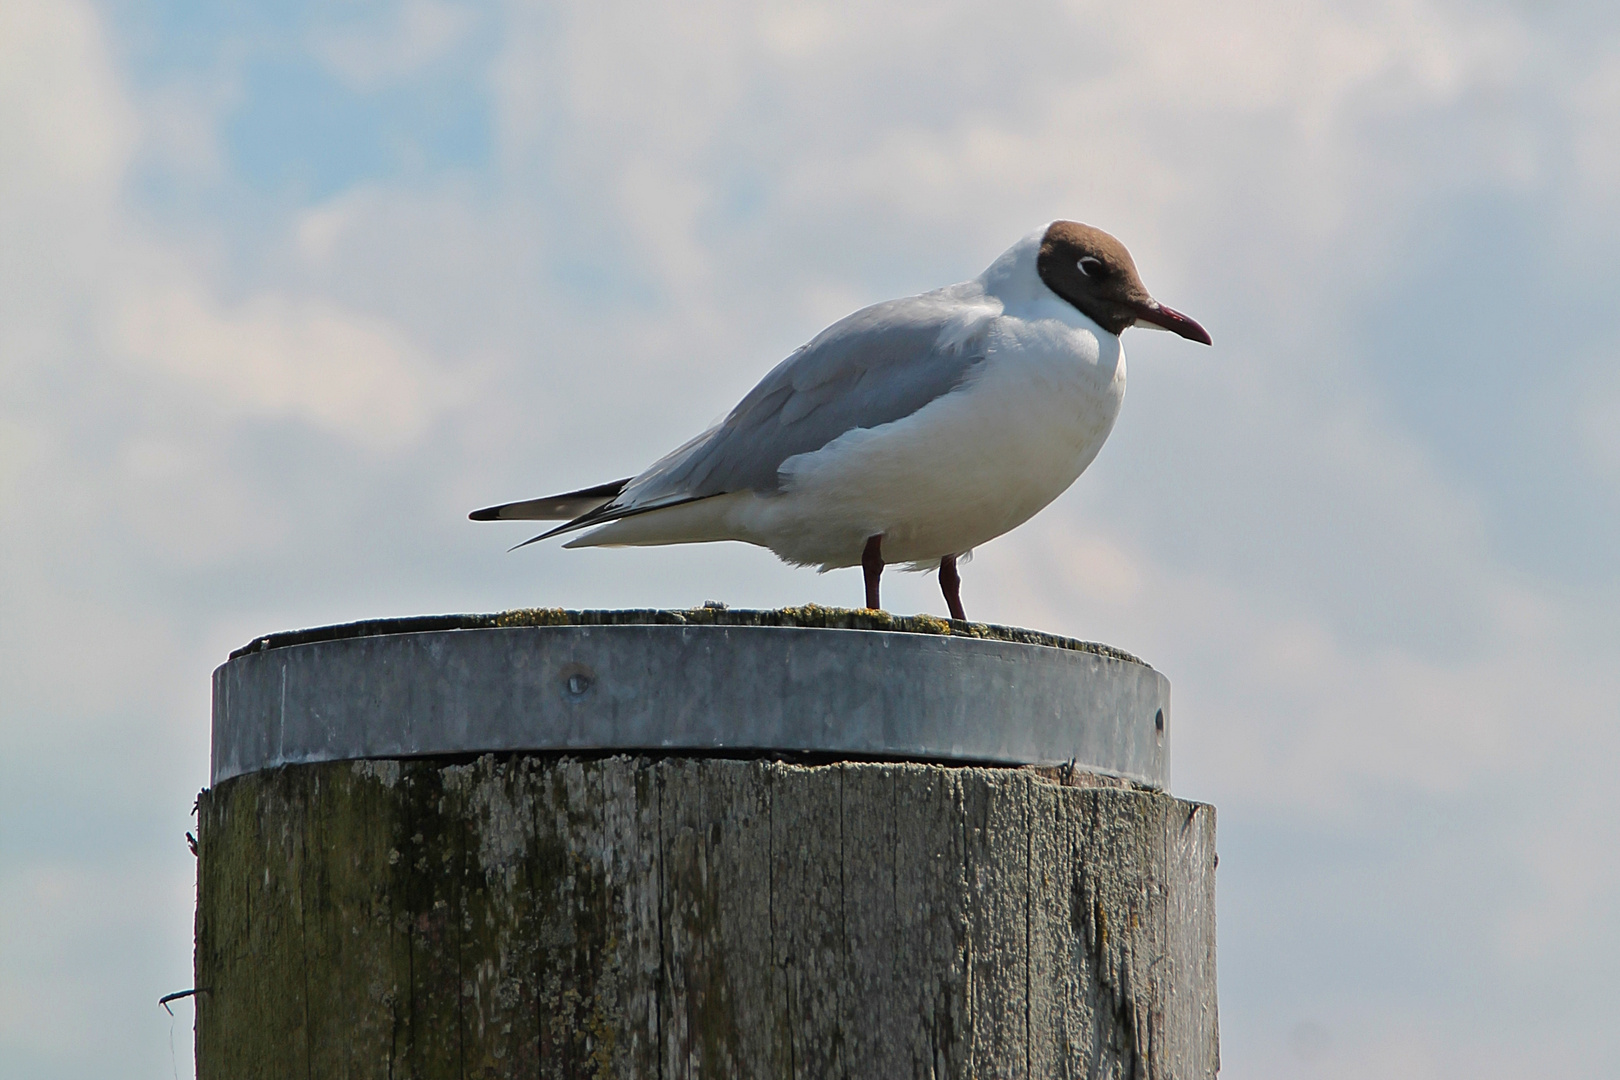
(950, 583)
(872, 567)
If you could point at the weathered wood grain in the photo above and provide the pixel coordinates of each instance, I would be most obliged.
(676, 917)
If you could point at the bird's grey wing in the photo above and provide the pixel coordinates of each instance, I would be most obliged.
(880, 364)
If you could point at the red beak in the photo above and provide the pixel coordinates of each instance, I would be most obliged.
(1173, 321)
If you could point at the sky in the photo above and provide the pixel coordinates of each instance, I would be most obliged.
(287, 289)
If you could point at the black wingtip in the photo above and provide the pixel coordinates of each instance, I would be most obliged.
(549, 533)
(568, 505)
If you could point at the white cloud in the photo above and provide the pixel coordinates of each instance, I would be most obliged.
(1595, 102)
(66, 137)
(180, 127)
(271, 356)
(62, 112)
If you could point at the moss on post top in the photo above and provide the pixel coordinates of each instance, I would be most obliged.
(810, 616)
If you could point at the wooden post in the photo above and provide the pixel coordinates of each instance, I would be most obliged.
(636, 914)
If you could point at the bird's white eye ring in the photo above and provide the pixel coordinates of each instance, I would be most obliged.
(1089, 265)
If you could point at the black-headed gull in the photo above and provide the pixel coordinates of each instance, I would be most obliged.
(911, 431)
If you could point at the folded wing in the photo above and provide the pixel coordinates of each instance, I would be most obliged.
(880, 364)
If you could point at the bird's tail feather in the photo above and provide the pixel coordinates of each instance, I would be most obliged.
(607, 512)
(685, 521)
(564, 507)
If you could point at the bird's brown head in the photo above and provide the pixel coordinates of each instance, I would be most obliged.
(1094, 272)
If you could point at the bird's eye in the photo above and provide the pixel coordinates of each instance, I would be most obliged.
(1091, 266)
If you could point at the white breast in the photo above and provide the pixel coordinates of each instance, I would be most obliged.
(964, 469)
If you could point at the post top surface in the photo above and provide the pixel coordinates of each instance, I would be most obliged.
(810, 616)
(819, 681)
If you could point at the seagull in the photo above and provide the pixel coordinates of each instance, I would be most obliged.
(909, 432)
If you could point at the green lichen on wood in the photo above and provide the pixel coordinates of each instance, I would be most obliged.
(633, 916)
